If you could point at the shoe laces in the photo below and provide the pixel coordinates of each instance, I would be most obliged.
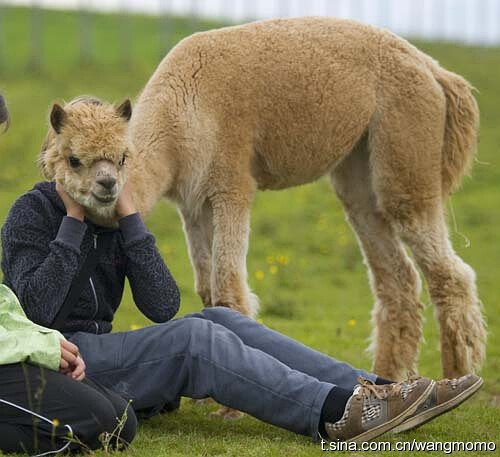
(369, 389)
(453, 383)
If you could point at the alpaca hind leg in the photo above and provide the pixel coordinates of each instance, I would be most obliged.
(395, 283)
(198, 229)
(452, 288)
(406, 143)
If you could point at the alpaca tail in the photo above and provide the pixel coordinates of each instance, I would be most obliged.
(461, 130)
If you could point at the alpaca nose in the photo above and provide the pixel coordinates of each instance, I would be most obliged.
(107, 182)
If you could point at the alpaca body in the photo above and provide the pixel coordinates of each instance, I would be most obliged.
(284, 124)
(280, 103)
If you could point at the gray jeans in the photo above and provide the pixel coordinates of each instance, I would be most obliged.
(222, 354)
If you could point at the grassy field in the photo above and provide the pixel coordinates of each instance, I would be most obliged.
(304, 262)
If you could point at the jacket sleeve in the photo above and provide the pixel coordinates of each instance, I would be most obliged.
(23, 341)
(154, 289)
(37, 347)
(39, 267)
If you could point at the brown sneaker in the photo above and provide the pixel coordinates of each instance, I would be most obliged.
(446, 395)
(373, 410)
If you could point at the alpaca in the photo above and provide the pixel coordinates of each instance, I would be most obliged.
(280, 103)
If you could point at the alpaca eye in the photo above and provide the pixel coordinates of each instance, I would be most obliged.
(74, 161)
(122, 161)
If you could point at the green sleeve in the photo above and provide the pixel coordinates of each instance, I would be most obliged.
(23, 341)
(33, 347)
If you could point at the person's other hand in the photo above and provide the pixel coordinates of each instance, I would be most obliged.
(73, 209)
(125, 205)
(78, 373)
(71, 363)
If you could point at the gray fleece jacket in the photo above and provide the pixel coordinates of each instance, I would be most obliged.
(43, 250)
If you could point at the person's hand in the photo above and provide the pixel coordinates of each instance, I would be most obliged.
(78, 373)
(125, 205)
(73, 209)
(71, 363)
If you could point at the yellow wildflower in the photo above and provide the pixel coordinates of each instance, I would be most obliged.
(283, 259)
(351, 322)
(259, 275)
(273, 269)
(55, 422)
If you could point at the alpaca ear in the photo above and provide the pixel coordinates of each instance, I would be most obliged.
(57, 118)
(125, 110)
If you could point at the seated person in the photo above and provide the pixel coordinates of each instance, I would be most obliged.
(46, 402)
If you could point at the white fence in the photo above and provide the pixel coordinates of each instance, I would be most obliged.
(468, 21)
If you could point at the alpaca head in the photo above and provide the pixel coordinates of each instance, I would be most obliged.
(85, 151)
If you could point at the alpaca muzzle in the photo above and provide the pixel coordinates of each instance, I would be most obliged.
(105, 189)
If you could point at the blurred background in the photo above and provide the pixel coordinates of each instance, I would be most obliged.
(304, 261)
(466, 21)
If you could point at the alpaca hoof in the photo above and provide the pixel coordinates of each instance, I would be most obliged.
(464, 345)
(227, 413)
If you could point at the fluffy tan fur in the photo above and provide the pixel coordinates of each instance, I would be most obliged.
(97, 134)
(280, 103)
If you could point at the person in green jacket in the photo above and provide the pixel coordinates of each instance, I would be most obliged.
(47, 405)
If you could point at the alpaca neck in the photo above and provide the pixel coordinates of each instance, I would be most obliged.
(156, 135)
(151, 176)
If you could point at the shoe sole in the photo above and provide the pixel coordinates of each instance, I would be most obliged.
(432, 413)
(395, 421)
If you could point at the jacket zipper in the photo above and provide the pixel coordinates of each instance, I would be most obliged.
(94, 291)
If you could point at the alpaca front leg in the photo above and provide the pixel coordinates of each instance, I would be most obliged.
(199, 232)
(231, 224)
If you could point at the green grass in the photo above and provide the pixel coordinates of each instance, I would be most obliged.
(319, 292)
